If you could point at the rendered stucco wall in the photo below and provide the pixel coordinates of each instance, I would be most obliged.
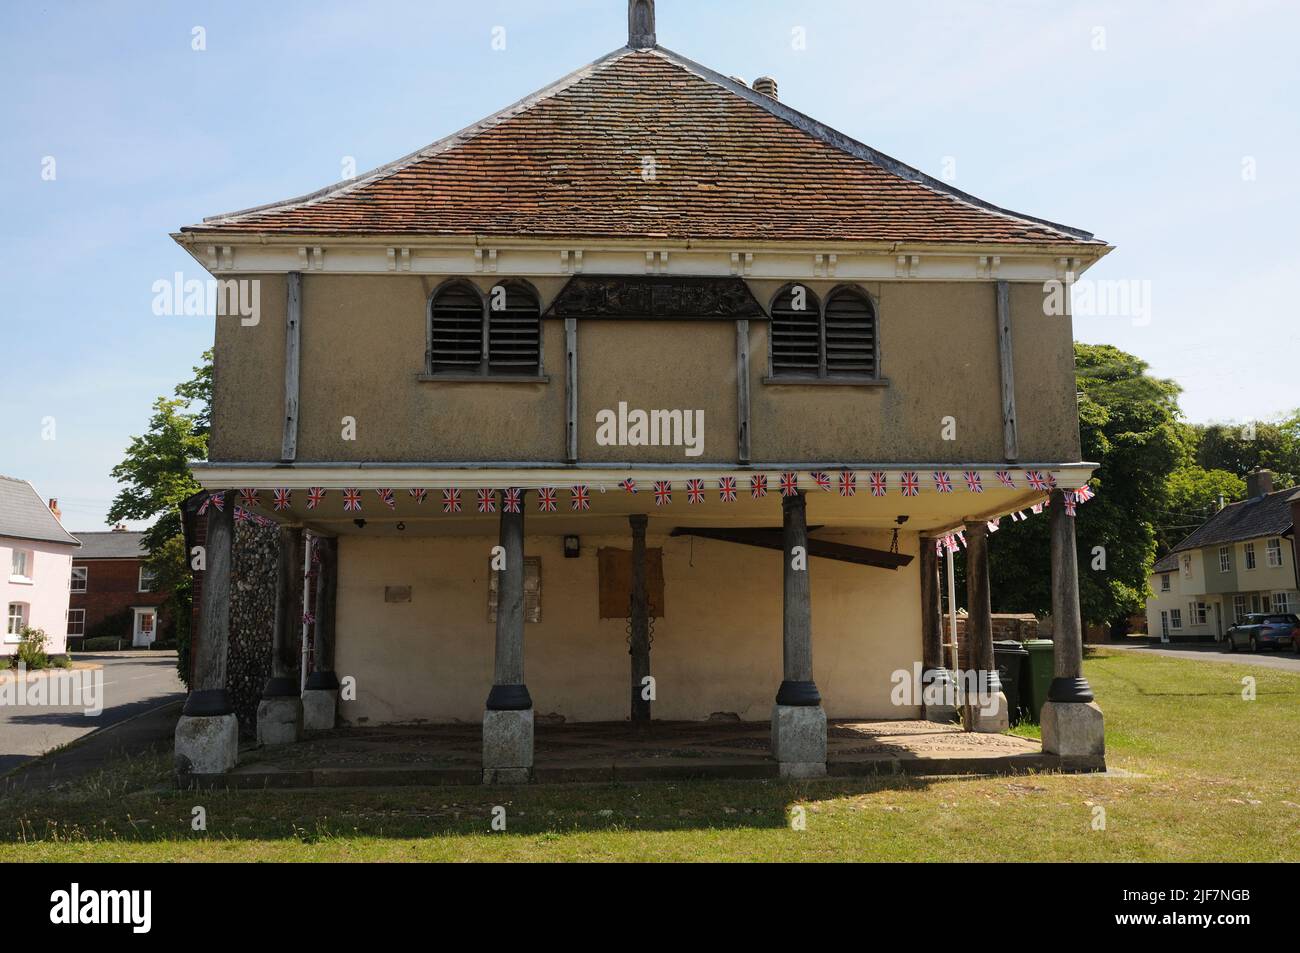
(46, 596)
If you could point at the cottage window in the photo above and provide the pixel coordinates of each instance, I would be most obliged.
(1164, 582)
(1282, 602)
(831, 342)
(1238, 608)
(1250, 555)
(1274, 553)
(146, 580)
(17, 620)
(1199, 612)
(472, 336)
(1225, 559)
(1175, 618)
(76, 622)
(21, 567)
(80, 577)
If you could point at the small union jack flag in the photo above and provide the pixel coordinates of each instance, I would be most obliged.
(1004, 477)
(727, 489)
(315, 496)
(995, 524)
(694, 491)
(579, 497)
(911, 484)
(1036, 480)
(386, 497)
(1018, 517)
(546, 499)
(213, 499)
(487, 501)
(308, 618)
(822, 480)
(758, 486)
(942, 483)
(1037, 508)
(848, 483)
(1069, 504)
(1051, 481)
(419, 494)
(351, 501)
(629, 484)
(973, 482)
(242, 515)
(451, 501)
(248, 496)
(938, 547)
(879, 483)
(663, 492)
(789, 484)
(1084, 493)
(512, 502)
(950, 543)
(281, 500)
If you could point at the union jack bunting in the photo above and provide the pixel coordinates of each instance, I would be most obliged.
(1037, 508)
(911, 485)
(512, 500)
(663, 492)
(973, 481)
(942, 482)
(1004, 477)
(848, 483)
(308, 618)
(1084, 493)
(248, 496)
(281, 500)
(1051, 481)
(451, 501)
(758, 486)
(789, 484)
(822, 480)
(1069, 504)
(1035, 479)
(727, 489)
(242, 515)
(314, 497)
(950, 543)
(1018, 517)
(386, 497)
(938, 547)
(216, 499)
(351, 501)
(546, 499)
(419, 494)
(694, 491)
(487, 501)
(629, 484)
(879, 483)
(995, 524)
(579, 497)
(961, 537)
(203, 507)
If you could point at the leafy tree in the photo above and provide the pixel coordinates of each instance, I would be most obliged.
(1128, 424)
(155, 479)
(1240, 448)
(1194, 495)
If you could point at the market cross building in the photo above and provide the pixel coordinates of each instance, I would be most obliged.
(863, 347)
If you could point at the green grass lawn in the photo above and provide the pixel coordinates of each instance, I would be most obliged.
(1210, 776)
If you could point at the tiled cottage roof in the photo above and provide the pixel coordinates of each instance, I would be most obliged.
(24, 515)
(645, 143)
(111, 545)
(1267, 515)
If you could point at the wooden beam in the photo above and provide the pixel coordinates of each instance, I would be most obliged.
(771, 538)
(571, 390)
(1010, 437)
(742, 391)
(292, 335)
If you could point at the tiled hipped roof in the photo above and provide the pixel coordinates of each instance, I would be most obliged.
(574, 160)
(1268, 515)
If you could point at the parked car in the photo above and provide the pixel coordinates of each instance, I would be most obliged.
(1259, 630)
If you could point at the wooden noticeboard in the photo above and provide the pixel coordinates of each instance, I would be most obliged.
(616, 581)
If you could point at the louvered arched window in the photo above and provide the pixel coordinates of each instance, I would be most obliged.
(471, 335)
(832, 341)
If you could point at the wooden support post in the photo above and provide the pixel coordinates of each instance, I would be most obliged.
(322, 675)
(292, 350)
(1068, 685)
(797, 686)
(208, 693)
(931, 608)
(509, 692)
(1010, 436)
(288, 615)
(571, 389)
(639, 642)
(979, 600)
(742, 391)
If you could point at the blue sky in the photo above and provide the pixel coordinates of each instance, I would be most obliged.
(1132, 120)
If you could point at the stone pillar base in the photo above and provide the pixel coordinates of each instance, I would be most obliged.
(279, 720)
(206, 744)
(939, 697)
(799, 740)
(941, 714)
(319, 706)
(1073, 730)
(992, 717)
(507, 746)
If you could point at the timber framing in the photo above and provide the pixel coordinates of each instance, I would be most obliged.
(770, 538)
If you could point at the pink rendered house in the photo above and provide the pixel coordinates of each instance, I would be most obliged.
(35, 566)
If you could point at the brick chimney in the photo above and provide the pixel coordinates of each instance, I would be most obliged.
(767, 86)
(54, 508)
(1258, 483)
(120, 528)
(641, 24)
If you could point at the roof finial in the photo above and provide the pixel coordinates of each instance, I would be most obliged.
(641, 24)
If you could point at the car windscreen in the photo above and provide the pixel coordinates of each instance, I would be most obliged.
(1282, 619)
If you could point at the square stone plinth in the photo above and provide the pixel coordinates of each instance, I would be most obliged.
(799, 740)
(990, 714)
(279, 720)
(319, 706)
(206, 744)
(507, 745)
(1073, 730)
